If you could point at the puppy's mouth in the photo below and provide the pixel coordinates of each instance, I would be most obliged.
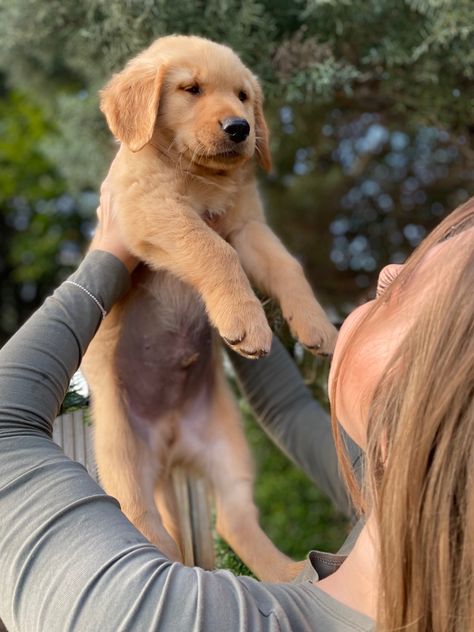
(222, 156)
(228, 154)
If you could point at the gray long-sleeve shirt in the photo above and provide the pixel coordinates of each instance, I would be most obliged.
(69, 559)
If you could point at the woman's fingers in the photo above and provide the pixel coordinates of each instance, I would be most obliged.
(108, 235)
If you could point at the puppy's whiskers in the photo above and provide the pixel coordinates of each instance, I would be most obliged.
(171, 144)
(194, 155)
(179, 170)
(166, 152)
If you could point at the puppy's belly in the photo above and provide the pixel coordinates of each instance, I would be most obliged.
(164, 354)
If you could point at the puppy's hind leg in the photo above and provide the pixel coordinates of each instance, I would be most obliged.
(129, 467)
(229, 468)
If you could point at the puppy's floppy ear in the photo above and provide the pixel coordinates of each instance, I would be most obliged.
(262, 142)
(130, 102)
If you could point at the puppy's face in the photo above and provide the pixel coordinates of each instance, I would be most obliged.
(208, 112)
(189, 96)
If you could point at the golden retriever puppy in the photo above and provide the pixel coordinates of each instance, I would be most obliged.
(189, 117)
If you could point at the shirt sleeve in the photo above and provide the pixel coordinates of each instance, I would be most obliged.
(69, 559)
(295, 421)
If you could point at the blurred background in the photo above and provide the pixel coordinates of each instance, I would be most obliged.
(370, 106)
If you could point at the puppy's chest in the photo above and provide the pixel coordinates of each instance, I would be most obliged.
(215, 207)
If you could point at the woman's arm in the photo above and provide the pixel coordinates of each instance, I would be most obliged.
(69, 559)
(294, 420)
(38, 361)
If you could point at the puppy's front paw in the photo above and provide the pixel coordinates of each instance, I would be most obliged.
(310, 326)
(245, 329)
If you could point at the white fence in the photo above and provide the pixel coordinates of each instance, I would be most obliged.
(73, 432)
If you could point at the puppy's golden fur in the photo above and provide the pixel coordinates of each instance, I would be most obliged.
(189, 208)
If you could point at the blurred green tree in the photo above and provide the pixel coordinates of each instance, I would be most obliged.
(406, 57)
(370, 103)
(41, 227)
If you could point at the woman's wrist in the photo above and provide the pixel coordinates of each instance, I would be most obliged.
(115, 249)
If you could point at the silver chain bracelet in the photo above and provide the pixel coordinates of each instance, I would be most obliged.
(102, 310)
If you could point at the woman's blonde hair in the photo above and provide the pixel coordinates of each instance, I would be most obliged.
(419, 469)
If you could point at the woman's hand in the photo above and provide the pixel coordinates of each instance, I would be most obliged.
(108, 235)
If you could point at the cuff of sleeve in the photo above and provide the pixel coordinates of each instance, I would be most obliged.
(104, 276)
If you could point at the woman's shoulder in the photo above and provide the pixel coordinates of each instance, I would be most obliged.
(301, 606)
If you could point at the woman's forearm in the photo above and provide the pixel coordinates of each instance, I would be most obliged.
(37, 363)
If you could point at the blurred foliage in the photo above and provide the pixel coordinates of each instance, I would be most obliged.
(42, 227)
(75, 398)
(370, 105)
(401, 57)
(355, 189)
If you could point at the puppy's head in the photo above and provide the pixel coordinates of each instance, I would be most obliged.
(193, 97)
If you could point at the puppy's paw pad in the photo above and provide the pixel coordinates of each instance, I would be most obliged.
(311, 327)
(255, 344)
(254, 355)
(324, 345)
(313, 347)
(248, 333)
(233, 342)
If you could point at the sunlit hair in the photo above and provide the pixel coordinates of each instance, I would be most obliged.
(419, 470)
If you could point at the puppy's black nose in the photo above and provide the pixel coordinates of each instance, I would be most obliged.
(238, 129)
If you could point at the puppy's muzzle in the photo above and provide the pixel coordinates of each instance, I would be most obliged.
(236, 128)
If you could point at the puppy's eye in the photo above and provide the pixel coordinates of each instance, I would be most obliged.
(194, 89)
(243, 96)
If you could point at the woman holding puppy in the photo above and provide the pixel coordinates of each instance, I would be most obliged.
(401, 385)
